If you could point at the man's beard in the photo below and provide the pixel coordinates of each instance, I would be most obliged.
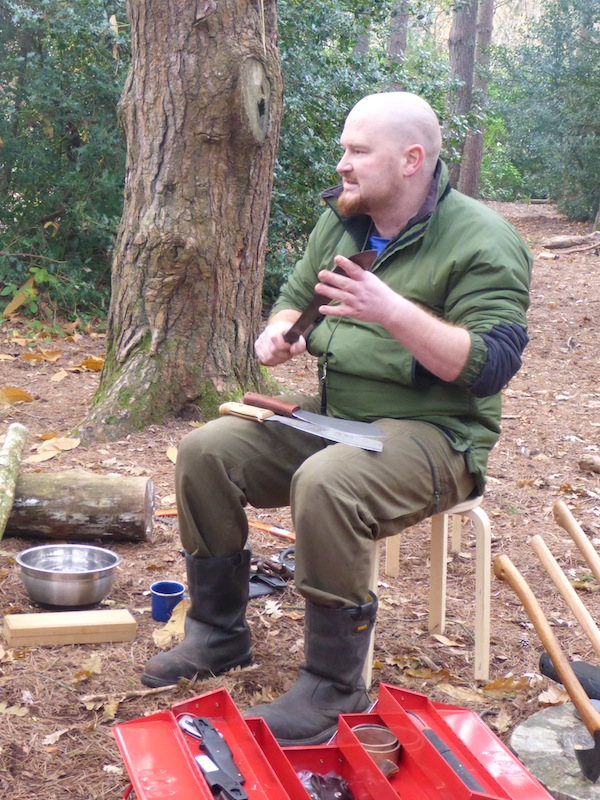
(350, 206)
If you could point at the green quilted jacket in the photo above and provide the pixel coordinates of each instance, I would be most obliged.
(460, 261)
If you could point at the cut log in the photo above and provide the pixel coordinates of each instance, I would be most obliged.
(562, 242)
(10, 466)
(82, 506)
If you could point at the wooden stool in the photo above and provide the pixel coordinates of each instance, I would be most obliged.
(437, 579)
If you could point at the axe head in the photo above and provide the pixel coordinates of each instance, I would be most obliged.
(589, 759)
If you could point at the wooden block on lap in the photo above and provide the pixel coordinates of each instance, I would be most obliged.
(69, 627)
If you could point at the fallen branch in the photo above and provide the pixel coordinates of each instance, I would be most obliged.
(10, 466)
(92, 700)
(589, 241)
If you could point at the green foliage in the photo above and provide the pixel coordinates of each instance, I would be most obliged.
(547, 90)
(61, 157)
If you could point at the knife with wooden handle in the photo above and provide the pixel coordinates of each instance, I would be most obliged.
(264, 415)
(280, 406)
(365, 259)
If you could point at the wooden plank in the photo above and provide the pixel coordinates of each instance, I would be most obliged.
(69, 627)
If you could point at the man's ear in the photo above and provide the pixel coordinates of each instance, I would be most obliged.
(414, 155)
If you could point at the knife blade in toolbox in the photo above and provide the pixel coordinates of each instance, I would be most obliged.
(366, 259)
(291, 410)
(323, 431)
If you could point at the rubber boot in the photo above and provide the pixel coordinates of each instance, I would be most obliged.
(217, 637)
(330, 683)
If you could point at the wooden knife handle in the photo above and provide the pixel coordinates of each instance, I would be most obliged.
(365, 259)
(247, 412)
(506, 571)
(272, 403)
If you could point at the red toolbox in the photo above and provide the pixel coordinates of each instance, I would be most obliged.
(447, 753)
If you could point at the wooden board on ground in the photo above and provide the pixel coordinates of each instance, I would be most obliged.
(69, 627)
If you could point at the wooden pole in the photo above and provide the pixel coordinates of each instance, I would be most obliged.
(10, 466)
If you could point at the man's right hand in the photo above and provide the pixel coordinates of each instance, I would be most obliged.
(271, 348)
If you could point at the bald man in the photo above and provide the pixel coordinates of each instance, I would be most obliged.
(422, 344)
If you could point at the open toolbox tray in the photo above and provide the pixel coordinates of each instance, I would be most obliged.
(160, 756)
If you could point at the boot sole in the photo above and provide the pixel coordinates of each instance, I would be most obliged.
(154, 682)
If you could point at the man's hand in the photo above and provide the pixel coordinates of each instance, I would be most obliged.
(271, 348)
(440, 347)
(360, 294)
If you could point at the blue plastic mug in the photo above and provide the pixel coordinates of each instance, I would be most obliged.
(165, 596)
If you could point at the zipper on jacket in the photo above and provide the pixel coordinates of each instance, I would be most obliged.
(436, 489)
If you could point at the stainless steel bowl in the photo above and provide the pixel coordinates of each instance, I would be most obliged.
(67, 575)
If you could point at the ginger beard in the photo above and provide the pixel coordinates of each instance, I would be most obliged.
(351, 205)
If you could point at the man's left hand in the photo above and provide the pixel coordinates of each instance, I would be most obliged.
(360, 294)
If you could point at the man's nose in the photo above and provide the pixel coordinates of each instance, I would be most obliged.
(343, 165)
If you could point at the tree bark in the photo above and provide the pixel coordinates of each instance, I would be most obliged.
(461, 45)
(470, 167)
(201, 110)
(82, 506)
(399, 31)
(10, 466)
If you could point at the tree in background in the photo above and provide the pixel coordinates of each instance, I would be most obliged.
(61, 156)
(546, 91)
(201, 111)
(472, 153)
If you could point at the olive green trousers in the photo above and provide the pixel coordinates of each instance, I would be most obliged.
(342, 498)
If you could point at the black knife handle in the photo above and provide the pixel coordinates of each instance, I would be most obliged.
(365, 259)
(215, 746)
(221, 784)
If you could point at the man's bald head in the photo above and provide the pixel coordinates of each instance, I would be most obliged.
(406, 118)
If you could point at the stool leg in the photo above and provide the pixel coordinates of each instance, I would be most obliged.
(456, 532)
(483, 537)
(392, 556)
(368, 666)
(437, 579)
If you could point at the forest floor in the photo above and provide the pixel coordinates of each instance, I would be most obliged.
(55, 743)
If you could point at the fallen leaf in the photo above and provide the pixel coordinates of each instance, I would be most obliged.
(59, 376)
(91, 363)
(53, 738)
(174, 628)
(172, 454)
(507, 685)
(553, 696)
(89, 669)
(459, 694)
(446, 641)
(51, 447)
(502, 722)
(13, 711)
(10, 395)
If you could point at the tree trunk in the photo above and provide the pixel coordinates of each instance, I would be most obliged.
(82, 507)
(461, 45)
(201, 110)
(470, 168)
(399, 31)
